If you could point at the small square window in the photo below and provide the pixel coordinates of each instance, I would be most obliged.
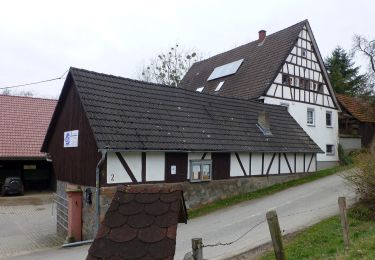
(330, 149)
(301, 82)
(310, 117)
(285, 80)
(328, 118)
(200, 170)
(291, 81)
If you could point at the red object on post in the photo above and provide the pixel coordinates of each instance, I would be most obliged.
(75, 213)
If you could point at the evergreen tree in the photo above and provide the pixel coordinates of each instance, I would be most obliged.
(344, 76)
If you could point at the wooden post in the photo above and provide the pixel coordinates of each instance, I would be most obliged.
(344, 221)
(277, 241)
(196, 244)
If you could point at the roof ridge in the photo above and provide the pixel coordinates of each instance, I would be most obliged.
(190, 92)
(252, 42)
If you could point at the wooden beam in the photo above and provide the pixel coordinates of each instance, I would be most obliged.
(126, 167)
(287, 161)
(270, 165)
(308, 168)
(241, 165)
(143, 167)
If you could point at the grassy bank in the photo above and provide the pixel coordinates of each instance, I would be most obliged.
(324, 240)
(219, 204)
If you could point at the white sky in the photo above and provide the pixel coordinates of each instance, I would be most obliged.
(42, 39)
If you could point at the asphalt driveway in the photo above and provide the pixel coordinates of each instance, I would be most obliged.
(297, 208)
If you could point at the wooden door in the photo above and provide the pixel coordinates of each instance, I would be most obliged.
(220, 166)
(176, 166)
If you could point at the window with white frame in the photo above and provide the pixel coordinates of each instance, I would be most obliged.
(200, 170)
(330, 149)
(329, 118)
(310, 116)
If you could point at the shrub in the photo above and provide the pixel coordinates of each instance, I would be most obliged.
(362, 177)
(345, 159)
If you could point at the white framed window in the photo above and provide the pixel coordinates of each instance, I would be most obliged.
(310, 117)
(200, 170)
(329, 118)
(330, 149)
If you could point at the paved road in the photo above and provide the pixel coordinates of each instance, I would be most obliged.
(297, 208)
(26, 225)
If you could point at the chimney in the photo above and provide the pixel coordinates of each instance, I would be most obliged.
(262, 35)
(264, 123)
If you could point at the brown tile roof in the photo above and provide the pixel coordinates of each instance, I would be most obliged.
(23, 125)
(141, 223)
(357, 107)
(260, 66)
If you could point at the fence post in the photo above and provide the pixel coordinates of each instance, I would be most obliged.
(277, 242)
(344, 221)
(196, 244)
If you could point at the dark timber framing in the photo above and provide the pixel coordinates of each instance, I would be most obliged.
(126, 167)
(143, 167)
(239, 161)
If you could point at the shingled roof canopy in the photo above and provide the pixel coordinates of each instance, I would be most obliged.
(141, 223)
(130, 115)
(359, 108)
(23, 125)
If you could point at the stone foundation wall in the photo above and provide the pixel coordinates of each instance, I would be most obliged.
(195, 194)
(61, 209)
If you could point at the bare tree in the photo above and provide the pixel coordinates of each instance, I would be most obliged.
(170, 67)
(365, 47)
(24, 93)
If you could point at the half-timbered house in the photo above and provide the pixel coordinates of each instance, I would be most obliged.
(140, 133)
(284, 68)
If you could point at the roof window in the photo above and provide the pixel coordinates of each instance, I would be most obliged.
(225, 70)
(219, 86)
(200, 89)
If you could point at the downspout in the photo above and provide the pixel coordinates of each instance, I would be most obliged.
(97, 183)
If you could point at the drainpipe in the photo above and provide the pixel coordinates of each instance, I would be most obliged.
(97, 183)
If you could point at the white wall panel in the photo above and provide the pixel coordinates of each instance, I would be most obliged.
(155, 166)
(256, 164)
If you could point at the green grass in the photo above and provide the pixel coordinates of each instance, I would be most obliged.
(222, 203)
(324, 240)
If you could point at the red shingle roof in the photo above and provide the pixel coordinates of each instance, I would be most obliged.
(359, 108)
(23, 125)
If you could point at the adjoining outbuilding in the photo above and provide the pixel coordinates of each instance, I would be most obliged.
(108, 130)
(356, 122)
(23, 125)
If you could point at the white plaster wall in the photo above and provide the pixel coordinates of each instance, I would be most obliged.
(256, 164)
(116, 172)
(235, 167)
(320, 133)
(299, 165)
(155, 166)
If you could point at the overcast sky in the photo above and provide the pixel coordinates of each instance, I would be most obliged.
(42, 39)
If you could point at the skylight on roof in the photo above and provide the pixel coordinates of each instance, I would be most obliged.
(200, 89)
(225, 70)
(219, 86)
